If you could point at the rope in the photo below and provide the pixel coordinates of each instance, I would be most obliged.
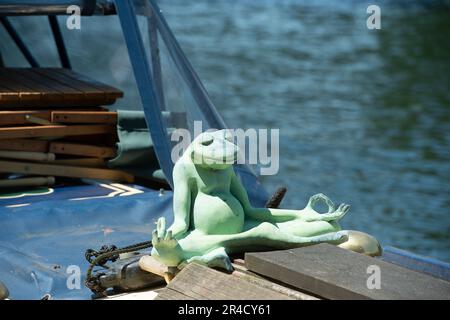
(105, 254)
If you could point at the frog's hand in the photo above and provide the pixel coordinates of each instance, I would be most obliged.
(166, 248)
(333, 214)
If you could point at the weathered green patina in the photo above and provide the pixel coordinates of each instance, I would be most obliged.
(214, 217)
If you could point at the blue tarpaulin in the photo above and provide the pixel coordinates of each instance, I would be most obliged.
(44, 236)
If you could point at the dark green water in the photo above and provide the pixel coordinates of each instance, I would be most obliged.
(364, 115)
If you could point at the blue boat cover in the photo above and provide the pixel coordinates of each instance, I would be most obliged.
(46, 232)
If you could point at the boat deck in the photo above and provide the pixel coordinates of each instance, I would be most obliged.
(316, 272)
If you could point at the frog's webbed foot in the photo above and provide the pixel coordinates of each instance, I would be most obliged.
(216, 258)
(333, 214)
(166, 248)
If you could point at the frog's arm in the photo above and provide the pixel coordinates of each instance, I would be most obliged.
(181, 200)
(259, 214)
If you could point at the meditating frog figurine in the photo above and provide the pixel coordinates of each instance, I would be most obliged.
(214, 217)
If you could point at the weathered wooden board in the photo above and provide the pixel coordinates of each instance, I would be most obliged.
(81, 162)
(84, 117)
(199, 282)
(53, 131)
(31, 145)
(8, 118)
(82, 150)
(335, 273)
(27, 156)
(168, 294)
(64, 171)
(55, 87)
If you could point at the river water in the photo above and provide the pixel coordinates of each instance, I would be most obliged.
(364, 115)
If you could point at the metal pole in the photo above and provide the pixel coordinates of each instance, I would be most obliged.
(146, 86)
(57, 35)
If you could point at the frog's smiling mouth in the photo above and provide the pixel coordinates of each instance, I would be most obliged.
(219, 160)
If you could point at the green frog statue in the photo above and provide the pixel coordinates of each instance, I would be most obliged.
(213, 216)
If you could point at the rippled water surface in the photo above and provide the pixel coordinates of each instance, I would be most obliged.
(364, 115)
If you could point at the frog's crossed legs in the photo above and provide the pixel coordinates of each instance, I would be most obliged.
(213, 249)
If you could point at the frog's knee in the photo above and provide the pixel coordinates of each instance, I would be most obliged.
(265, 229)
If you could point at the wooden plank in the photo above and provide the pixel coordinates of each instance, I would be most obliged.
(169, 294)
(53, 131)
(84, 117)
(334, 273)
(200, 282)
(82, 150)
(48, 94)
(64, 171)
(28, 156)
(24, 145)
(8, 118)
(72, 91)
(110, 91)
(55, 87)
(242, 271)
(6, 94)
(70, 94)
(24, 92)
(81, 162)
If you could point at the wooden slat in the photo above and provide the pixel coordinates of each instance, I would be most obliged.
(84, 117)
(48, 94)
(53, 131)
(169, 294)
(24, 145)
(71, 90)
(27, 156)
(81, 162)
(12, 84)
(200, 282)
(64, 171)
(8, 118)
(82, 150)
(6, 94)
(55, 87)
(70, 95)
(334, 273)
(110, 91)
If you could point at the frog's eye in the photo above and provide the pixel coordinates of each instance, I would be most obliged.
(207, 141)
(229, 137)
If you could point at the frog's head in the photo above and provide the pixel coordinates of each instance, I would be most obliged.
(214, 150)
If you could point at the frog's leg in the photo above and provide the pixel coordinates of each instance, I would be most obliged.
(262, 236)
(265, 235)
(215, 258)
